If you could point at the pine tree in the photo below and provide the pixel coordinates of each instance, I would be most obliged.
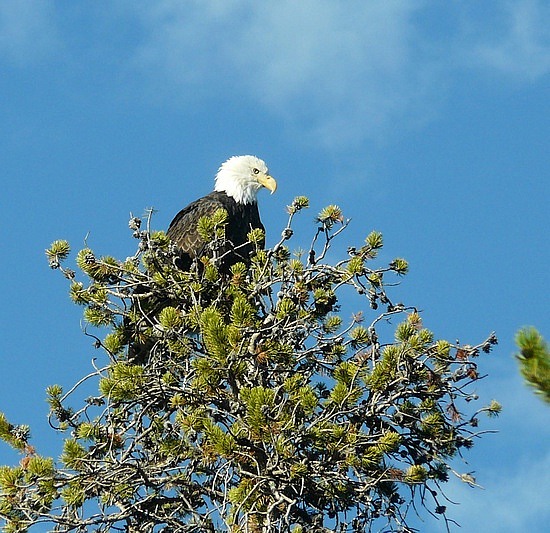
(249, 402)
(534, 360)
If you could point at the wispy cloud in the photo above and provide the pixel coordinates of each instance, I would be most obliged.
(27, 31)
(511, 501)
(338, 71)
(514, 41)
(334, 72)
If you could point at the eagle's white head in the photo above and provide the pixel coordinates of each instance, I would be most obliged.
(242, 176)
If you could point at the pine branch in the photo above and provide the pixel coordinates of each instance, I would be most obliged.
(534, 360)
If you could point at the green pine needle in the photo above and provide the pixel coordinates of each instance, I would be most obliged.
(375, 240)
(57, 252)
(534, 360)
(299, 203)
(330, 215)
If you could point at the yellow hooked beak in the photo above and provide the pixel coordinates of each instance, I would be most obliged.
(268, 182)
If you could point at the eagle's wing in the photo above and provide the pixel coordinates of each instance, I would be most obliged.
(183, 229)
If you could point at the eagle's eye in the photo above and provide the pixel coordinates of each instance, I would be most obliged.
(255, 170)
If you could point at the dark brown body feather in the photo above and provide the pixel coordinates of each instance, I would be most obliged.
(241, 219)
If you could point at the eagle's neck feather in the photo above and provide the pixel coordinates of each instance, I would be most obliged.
(242, 190)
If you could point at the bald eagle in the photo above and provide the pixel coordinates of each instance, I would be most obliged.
(237, 184)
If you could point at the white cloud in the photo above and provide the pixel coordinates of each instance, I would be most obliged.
(511, 501)
(27, 31)
(338, 71)
(515, 42)
(334, 73)
(185, 42)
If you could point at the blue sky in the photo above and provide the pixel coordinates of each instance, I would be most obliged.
(428, 121)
